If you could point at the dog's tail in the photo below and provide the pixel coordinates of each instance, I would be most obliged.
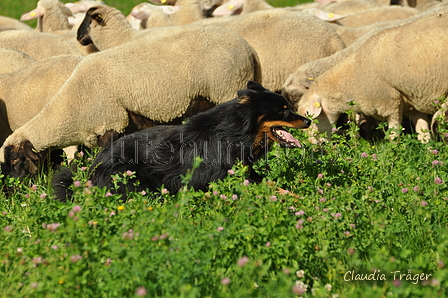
(61, 185)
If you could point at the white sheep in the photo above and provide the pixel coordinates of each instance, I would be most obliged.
(298, 82)
(78, 10)
(26, 91)
(237, 7)
(146, 15)
(388, 76)
(279, 44)
(349, 7)
(53, 17)
(12, 60)
(184, 12)
(106, 27)
(7, 23)
(36, 44)
(378, 14)
(351, 34)
(176, 70)
(208, 6)
(272, 33)
(188, 12)
(301, 79)
(139, 15)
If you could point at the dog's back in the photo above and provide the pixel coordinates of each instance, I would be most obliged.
(241, 129)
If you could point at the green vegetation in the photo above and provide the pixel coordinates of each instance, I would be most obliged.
(14, 8)
(324, 218)
(351, 210)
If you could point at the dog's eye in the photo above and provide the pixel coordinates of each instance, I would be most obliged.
(283, 110)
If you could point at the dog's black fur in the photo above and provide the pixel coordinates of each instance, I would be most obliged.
(243, 129)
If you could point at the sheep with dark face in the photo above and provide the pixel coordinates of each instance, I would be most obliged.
(280, 47)
(186, 69)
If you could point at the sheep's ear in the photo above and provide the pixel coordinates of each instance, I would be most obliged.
(29, 150)
(325, 16)
(306, 82)
(67, 11)
(315, 106)
(229, 8)
(34, 14)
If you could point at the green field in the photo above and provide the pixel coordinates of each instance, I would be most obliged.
(15, 8)
(354, 210)
(350, 218)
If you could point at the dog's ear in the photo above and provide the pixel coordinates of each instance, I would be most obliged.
(247, 95)
(255, 86)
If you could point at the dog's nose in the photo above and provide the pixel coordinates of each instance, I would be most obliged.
(307, 122)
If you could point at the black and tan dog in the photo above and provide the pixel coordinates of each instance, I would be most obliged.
(243, 129)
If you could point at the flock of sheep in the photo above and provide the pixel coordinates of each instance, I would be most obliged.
(88, 72)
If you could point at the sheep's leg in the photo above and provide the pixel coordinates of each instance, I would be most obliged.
(421, 123)
(394, 127)
(70, 152)
(326, 123)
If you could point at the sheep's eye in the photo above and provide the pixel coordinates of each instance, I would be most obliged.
(98, 17)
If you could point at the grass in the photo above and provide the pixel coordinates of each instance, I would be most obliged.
(357, 219)
(14, 8)
(352, 210)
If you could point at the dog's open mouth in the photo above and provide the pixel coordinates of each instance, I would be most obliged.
(285, 138)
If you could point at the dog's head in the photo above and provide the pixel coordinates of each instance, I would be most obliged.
(273, 113)
(21, 160)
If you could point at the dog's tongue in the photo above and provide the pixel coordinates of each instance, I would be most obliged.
(288, 137)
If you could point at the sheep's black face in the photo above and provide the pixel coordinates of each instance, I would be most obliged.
(21, 161)
(83, 34)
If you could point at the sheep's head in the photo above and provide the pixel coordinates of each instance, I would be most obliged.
(311, 105)
(83, 34)
(21, 160)
(295, 86)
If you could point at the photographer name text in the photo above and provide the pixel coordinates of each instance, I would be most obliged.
(376, 275)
